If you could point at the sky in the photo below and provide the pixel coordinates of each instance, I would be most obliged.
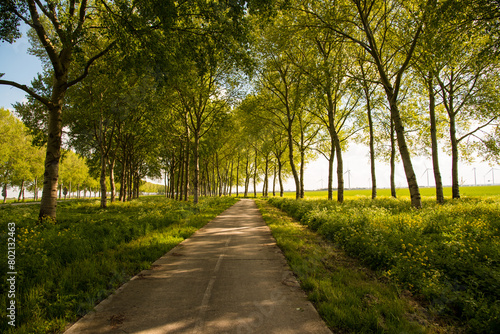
(21, 67)
(18, 66)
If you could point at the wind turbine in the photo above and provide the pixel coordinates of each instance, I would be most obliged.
(348, 177)
(475, 181)
(321, 182)
(427, 172)
(492, 171)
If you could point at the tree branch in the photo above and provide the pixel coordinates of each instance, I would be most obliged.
(27, 90)
(44, 39)
(89, 63)
(476, 130)
(18, 14)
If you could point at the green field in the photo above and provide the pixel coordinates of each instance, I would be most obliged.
(402, 192)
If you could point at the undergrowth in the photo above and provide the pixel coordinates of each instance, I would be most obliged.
(348, 296)
(448, 254)
(65, 268)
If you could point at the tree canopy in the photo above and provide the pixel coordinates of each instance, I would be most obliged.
(212, 96)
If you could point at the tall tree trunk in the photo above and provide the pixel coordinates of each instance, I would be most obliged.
(186, 182)
(112, 184)
(404, 152)
(255, 175)
(340, 171)
(219, 181)
(123, 181)
(330, 170)
(265, 191)
(4, 192)
(238, 177)
(214, 181)
(35, 191)
(48, 203)
(209, 189)
(231, 180)
(366, 90)
(332, 131)
(434, 143)
(302, 166)
(280, 178)
(166, 182)
(290, 157)
(302, 159)
(172, 179)
(180, 181)
(274, 181)
(393, 162)
(226, 179)
(196, 181)
(21, 189)
(137, 184)
(203, 183)
(372, 145)
(247, 176)
(455, 186)
(129, 179)
(104, 162)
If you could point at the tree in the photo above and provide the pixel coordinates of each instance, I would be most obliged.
(285, 86)
(326, 63)
(20, 162)
(60, 29)
(74, 171)
(468, 86)
(93, 111)
(371, 25)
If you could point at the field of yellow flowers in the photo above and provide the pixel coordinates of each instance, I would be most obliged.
(448, 254)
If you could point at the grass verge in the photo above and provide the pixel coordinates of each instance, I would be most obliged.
(347, 295)
(65, 268)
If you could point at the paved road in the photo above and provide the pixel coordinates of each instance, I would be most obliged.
(229, 277)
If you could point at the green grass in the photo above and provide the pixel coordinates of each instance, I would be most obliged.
(403, 192)
(447, 254)
(349, 297)
(66, 267)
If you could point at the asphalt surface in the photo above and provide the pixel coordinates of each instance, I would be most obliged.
(229, 277)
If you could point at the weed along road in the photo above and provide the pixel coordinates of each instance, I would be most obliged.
(229, 277)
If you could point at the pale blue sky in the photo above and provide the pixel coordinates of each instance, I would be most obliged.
(18, 66)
